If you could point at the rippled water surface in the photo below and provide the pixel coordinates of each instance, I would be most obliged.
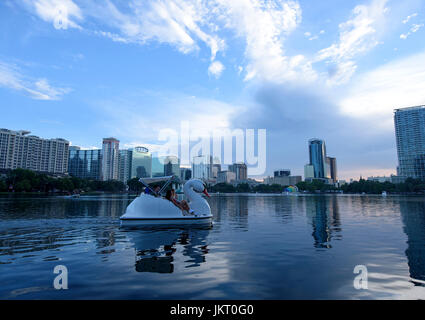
(260, 247)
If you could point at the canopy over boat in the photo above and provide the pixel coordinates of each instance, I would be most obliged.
(168, 179)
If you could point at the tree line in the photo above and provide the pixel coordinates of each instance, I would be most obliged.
(22, 180)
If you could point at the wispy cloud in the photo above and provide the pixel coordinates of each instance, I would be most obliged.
(11, 77)
(62, 14)
(376, 93)
(414, 28)
(357, 36)
(409, 17)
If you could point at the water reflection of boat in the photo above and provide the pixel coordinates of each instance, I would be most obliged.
(155, 248)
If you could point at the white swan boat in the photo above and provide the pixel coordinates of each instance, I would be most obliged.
(149, 209)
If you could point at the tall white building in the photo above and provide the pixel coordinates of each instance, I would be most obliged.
(110, 159)
(124, 167)
(18, 149)
(202, 167)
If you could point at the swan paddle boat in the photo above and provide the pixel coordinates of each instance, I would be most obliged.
(152, 209)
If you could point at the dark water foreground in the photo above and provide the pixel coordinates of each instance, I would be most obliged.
(261, 247)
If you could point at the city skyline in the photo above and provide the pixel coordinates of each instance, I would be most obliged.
(92, 70)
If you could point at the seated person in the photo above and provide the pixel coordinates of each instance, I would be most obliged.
(156, 191)
(183, 205)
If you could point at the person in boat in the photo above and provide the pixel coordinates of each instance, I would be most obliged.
(156, 190)
(172, 196)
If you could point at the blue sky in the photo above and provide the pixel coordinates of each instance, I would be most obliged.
(84, 70)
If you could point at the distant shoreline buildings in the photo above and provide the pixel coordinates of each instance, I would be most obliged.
(19, 149)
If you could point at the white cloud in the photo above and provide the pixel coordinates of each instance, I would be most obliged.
(61, 13)
(394, 85)
(215, 69)
(40, 89)
(176, 22)
(265, 26)
(409, 17)
(414, 28)
(357, 36)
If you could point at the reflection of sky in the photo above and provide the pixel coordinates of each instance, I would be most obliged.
(272, 247)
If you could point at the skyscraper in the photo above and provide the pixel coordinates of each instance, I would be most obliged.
(18, 149)
(110, 160)
(320, 166)
(171, 166)
(85, 164)
(332, 169)
(124, 167)
(141, 165)
(202, 167)
(410, 138)
(317, 153)
(240, 170)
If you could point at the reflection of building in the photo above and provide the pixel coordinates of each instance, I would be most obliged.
(413, 217)
(226, 177)
(141, 163)
(110, 160)
(323, 214)
(85, 164)
(171, 166)
(124, 166)
(20, 150)
(410, 137)
(240, 170)
(202, 167)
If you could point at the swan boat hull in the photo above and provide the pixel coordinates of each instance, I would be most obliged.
(198, 221)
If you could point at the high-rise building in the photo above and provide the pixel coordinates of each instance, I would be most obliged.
(110, 159)
(308, 172)
(333, 173)
(18, 149)
(282, 173)
(202, 167)
(410, 137)
(141, 165)
(124, 166)
(158, 166)
(226, 176)
(185, 174)
(317, 153)
(171, 166)
(240, 170)
(85, 164)
(216, 168)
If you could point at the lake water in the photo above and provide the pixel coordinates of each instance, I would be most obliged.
(260, 247)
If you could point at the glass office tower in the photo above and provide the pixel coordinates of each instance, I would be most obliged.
(141, 163)
(85, 164)
(317, 152)
(410, 137)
